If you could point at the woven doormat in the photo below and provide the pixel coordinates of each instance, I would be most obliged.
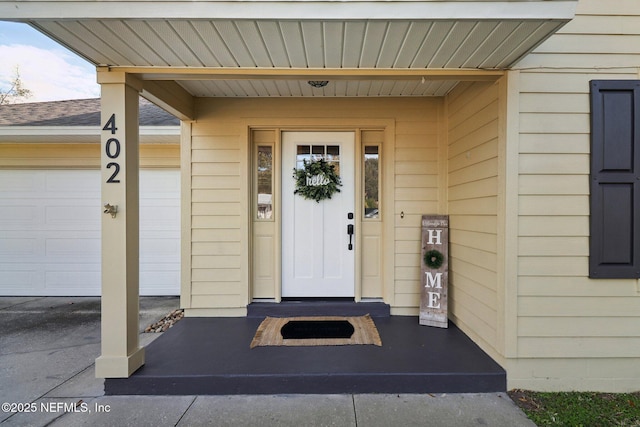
(268, 333)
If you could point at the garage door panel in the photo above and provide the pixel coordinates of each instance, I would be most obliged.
(20, 181)
(159, 218)
(21, 214)
(50, 223)
(158, 250)
(75, 217)
(159, 234)
(17, 280)
(159, 203)
(85, 184)
(77, 248)
(82, 280)
(157, 184)
(153, 281)
(17, 248)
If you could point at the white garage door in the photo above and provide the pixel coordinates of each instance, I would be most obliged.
(50, 232)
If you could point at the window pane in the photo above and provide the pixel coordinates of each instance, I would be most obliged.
(317, 151)
(333, 157)
(304, 149)
(265, 182)
(371, 182)
(333, 153)
(303, 155)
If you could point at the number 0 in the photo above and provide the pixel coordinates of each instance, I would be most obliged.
(109, 150)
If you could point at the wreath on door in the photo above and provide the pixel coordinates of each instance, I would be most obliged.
(317, 180)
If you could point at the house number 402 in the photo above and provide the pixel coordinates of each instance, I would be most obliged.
(112, 149)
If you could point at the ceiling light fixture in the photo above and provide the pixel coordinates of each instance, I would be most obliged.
(318, 83)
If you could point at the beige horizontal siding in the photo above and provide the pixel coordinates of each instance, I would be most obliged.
(416, 193)
(551, 374)
(80, 156)
(219, 207)
(575, 286)
(589, 327)
(603, 34)
(216, 221)
(473, 208)
(568, 323)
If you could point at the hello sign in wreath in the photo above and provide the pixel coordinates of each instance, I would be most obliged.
(316, 180)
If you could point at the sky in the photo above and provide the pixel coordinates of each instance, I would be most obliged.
(50, 71)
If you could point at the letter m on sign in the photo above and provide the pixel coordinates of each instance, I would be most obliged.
(433, 281)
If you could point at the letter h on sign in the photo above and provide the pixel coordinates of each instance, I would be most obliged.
(435, 236)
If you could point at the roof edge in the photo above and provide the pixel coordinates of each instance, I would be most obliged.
(32, 11)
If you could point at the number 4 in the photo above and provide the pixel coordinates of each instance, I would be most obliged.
(111, 124)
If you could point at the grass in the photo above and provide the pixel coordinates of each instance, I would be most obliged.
(579, 409)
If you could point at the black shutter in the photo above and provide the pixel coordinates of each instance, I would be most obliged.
(615, 179)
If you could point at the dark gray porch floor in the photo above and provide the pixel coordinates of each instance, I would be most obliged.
(212, 356)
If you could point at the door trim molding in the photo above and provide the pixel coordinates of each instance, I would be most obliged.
(356, 125)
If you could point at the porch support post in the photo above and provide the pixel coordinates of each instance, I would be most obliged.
(121, 352)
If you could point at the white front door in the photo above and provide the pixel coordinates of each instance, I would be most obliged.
(317, 258)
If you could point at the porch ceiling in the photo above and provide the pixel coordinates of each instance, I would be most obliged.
(304, 35)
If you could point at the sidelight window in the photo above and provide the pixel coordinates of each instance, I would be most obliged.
(264, 184)
(371, 173)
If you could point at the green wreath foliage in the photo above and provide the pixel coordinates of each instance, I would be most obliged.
(433, 259)
(316, 192)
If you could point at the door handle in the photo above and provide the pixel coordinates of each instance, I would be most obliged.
(350, 233)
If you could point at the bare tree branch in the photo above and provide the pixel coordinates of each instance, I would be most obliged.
(16, 90)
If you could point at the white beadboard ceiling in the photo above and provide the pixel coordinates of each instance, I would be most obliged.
(339, 42)
(360, 88)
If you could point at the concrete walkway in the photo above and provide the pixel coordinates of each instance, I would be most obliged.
(48, 347)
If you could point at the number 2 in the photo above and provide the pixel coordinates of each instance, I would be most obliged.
(112, 179)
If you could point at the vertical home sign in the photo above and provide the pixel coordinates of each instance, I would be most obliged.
(435, 270)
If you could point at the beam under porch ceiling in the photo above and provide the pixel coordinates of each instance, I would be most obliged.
(159, 84)
(211, 73)
(167, 95)
(171, 97)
